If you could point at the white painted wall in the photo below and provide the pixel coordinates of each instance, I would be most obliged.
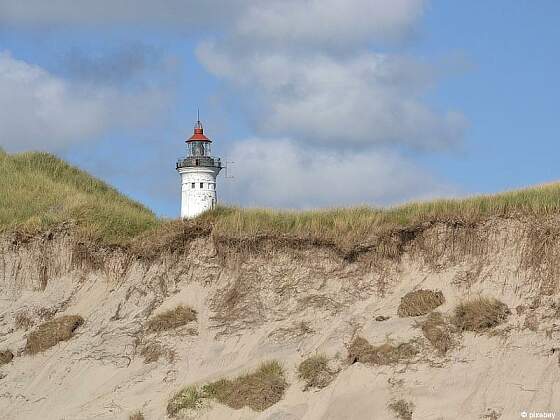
(197, 200)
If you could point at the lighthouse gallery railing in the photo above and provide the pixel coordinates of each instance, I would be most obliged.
(194, 161)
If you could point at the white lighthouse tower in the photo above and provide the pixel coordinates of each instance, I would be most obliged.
(198, 172)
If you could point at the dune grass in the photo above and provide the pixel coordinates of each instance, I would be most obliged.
(315, 372)
(420, 302)
(350, 225)
(171, 319)
(189, 398)
(403, 410)
(52, 332)
(480, 314)
(361, 351)
(39, 190)
(258, 390)
(6, 356)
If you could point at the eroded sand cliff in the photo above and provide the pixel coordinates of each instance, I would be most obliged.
(278, 299)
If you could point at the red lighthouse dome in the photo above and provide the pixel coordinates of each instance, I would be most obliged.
(198, 134)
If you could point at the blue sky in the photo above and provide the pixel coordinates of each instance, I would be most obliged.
(509, 94)
(318, 103)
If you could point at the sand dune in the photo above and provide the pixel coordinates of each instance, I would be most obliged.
(283, 303)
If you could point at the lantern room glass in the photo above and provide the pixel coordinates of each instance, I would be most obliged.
(199, 148)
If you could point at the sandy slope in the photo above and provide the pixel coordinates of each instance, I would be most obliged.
(251, 309)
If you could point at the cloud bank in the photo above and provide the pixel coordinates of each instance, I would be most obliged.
(286, 174)
(44, 112)
(106, 13)
(336, 112)
(312, 73)
(366, 99)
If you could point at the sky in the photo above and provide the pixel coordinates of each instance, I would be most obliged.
(313, 103)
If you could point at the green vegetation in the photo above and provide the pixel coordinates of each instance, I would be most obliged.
(348, 227)
(315, 372)
(258, 390)
(189, 398)
(39, 191)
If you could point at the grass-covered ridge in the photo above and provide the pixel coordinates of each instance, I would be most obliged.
(39, 190)
(352, 225)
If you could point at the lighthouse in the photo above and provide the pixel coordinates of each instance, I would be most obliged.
(198, 172)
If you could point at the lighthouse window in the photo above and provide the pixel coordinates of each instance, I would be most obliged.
(202, 185)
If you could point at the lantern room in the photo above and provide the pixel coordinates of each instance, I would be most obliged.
(198, 144)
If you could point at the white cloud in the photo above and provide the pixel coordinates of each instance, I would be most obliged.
(360, 100)
(306, 71)
(109, 12)
(286, 174)
(42, 111)
(307, 74)
(311, 22)
(333, 23)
